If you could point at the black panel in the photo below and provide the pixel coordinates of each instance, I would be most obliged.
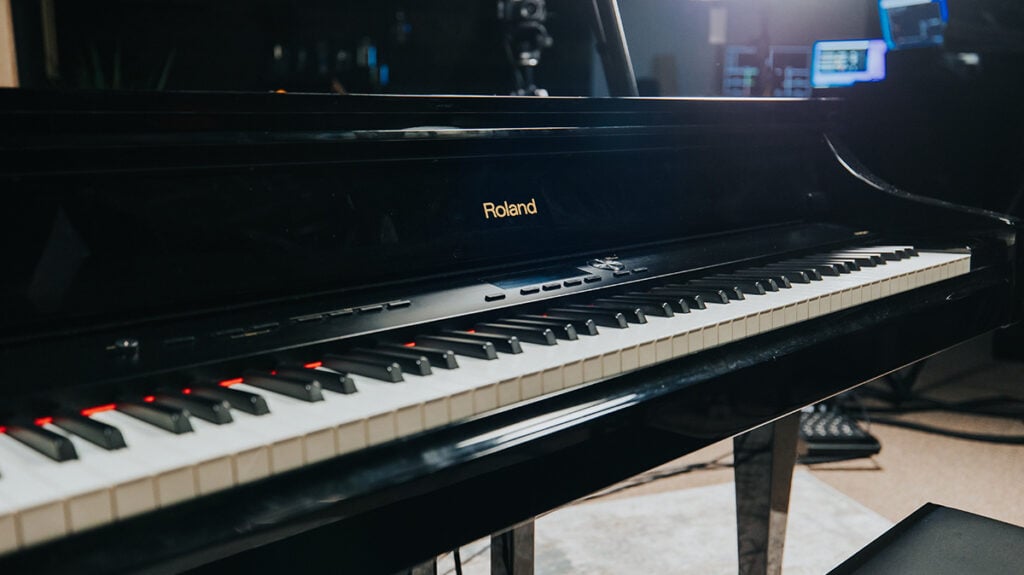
(140, 219)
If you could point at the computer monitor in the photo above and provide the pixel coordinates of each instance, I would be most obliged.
(839, 63)
(913, 23)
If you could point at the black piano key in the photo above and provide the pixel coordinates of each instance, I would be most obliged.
(327, 378)
(583, 326)
(167, 418)
(886, 255)
(387, 370)
(849, 264)
(877, 259)
(709, 295)
(244, 401)
(812, 274)
(770, 281)
(438, 357)
(677, 304)
(96, 432)
(840, 267)
(660, 309)
(501, 342)
(693, 301)
(563, 329)
(746, 285)
(600, 317)
(813, 270)
(632, 313)
(411, 363)
(53, 445)
(540, 335)
(790, 273)
(212, 410)
(298, 388)
(460, 345)
(862, 260)
(730, 288)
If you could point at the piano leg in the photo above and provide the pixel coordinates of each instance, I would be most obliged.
(425, 568)
(764, 460)
(512, 551)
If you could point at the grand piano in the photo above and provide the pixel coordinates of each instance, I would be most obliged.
(349, 333)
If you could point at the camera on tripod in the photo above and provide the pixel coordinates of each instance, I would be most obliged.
(525, 38)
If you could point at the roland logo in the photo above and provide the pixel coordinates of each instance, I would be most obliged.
(507, 210)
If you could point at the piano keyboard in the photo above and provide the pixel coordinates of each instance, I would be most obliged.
(72, 472)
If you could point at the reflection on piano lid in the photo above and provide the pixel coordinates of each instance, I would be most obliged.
(279, 331)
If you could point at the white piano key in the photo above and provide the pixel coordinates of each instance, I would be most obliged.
(133, 490)
(31, 485)
(162, 451)
(8, 521)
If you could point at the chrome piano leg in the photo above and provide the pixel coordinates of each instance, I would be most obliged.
(512, 551)
(764, 460)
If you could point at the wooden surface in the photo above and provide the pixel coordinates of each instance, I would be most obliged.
(8, 62)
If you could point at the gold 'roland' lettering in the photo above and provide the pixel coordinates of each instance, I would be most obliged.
(507, 210)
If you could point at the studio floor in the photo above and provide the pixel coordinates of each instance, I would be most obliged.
(685, 523)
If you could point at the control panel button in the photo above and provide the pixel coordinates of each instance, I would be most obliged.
(639, 270)
(494, 297)
(308, 318)
(620, 273)
(371, 308)
(529, 290)
(592, 279)
(400, 303)
(573, 282)
(551, 286)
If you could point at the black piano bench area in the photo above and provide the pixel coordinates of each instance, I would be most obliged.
(937, 540)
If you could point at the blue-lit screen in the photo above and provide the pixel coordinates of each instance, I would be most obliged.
(913, 23)
(837, 63)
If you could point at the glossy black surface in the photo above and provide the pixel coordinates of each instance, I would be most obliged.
(773, 186)
(135, 210)
(354, 503)
(97, 432)
(763, 461)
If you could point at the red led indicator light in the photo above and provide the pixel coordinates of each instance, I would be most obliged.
(313, 365)
(3, 429)
(470, 331)
(149, 399)
(410, 344)
(230, 382)
(187, 391)
(43, 421)
(99, 409)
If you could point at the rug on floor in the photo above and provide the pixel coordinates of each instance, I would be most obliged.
(687, 531)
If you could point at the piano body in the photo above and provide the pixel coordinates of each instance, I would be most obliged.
(375, 328)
